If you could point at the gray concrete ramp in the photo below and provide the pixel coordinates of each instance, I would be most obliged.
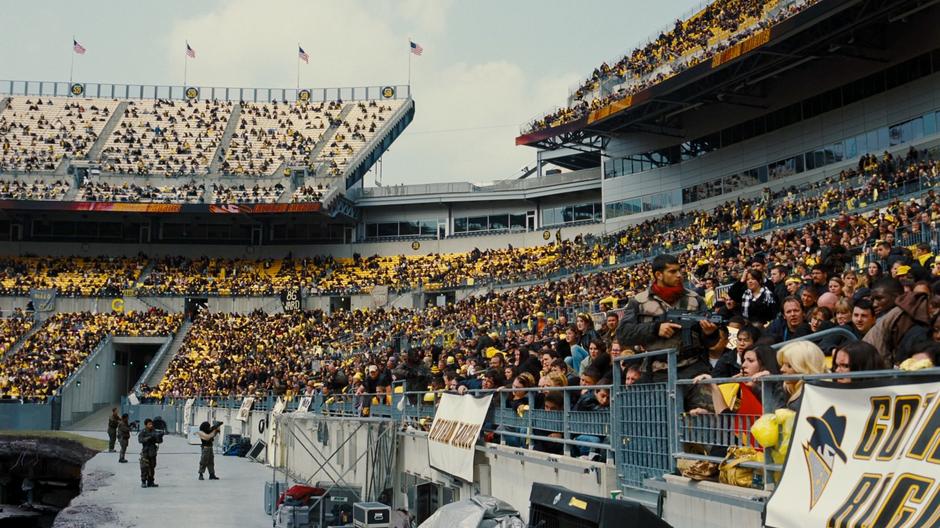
(112, 497)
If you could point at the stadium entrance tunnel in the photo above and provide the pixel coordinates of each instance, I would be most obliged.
(132, 356)
(40, 473)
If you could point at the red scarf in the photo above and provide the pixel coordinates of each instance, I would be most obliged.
(670, 294)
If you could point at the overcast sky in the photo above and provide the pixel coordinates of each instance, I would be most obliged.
(488, 65)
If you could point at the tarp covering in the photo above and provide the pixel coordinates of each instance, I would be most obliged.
(476, 512)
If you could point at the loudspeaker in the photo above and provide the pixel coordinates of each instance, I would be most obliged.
(257, 451)
(558, 507)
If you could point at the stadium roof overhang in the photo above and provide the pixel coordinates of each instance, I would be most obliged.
(734, 75)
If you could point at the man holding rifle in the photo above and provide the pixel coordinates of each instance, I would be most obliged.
(149, 438)
(207, 434)
(667, 315)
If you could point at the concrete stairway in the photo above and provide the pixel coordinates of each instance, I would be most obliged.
(144, 273)
(95, 151)
(328, 135)
(96, 421)
(157, 375)
(22, 340)
(230, 129)
(71, 195)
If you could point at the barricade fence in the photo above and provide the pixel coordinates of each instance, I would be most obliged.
(644, 431)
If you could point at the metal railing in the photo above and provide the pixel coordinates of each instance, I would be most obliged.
(643, 433)
(203, 93)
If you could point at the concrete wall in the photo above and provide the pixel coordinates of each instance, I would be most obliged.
(240, 304)
(25, 417)
(90, 388)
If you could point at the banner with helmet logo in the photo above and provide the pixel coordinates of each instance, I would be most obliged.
(454, 432)
(863, 454)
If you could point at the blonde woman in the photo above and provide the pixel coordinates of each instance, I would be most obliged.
(843, 311)
(799, 357)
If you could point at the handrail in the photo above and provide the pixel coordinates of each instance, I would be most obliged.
(235, 94)
(818, 336)
(367, 149)
(157, 358)
(827, 376)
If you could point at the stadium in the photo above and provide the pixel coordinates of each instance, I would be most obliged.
(712, 297)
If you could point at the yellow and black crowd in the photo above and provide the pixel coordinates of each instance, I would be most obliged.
(874, 274)
(717, 27)
(36, 370)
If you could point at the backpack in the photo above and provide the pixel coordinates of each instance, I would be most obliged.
(299, 495)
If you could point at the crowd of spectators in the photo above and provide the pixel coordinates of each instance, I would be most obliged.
(97, 191)
(353, 132)
(717, 27)
(789, 283)
(270, 134)
(166, 137)
(36, 133)
(50, 356)
(185, 276)
(71, 277)
(33, 190)
(12, 328)
(308, 193)
(837, 197)
(847, 271)
(237, 194)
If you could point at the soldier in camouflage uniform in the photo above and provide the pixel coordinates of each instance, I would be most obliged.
(113, 422)
(123, 436)
(149, 438)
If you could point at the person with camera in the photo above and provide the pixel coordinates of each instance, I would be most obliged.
(149, 438)
(207, 434)
(123, 436)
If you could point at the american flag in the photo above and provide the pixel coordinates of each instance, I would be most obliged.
(303, 55)
(416, 49)
(78, 48)
(190, 52)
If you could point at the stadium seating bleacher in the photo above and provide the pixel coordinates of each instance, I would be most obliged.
(165, 137)
(37, 132)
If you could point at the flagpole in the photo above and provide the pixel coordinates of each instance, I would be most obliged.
(298, 67)
(72, 62)
(185, 66)
(409, 65)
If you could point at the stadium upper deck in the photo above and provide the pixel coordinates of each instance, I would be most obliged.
(729, 55)
(123, 143)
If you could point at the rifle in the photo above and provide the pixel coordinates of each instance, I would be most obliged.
(689, 320)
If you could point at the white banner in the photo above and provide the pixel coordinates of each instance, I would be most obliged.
(245, 411)
(454, 433)
(863, 455)
(188, 411)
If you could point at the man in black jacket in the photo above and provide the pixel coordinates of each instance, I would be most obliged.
(792, 322)
(207, 434)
